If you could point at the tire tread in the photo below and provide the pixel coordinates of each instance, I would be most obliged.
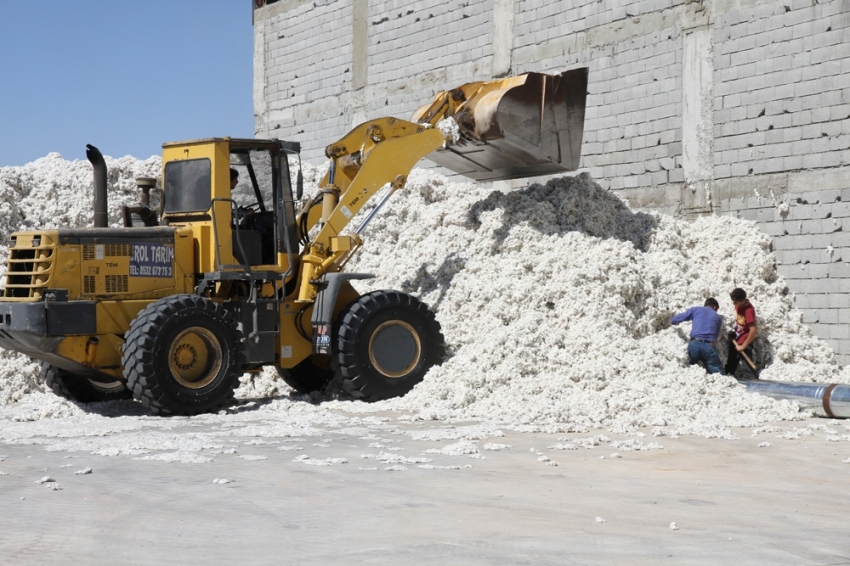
(138, 358)
(348, 366)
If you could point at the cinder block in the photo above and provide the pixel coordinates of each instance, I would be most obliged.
(796, 276)
(771, 228)
(816, 270)
(811, 227)
(839, 332)
(817, 300)
(820, 242)
(828, 316)
(785, 243)
(839, 270)
(813, 256)
(785, 256)
(827, 287)
(722, 171)
(844, 284)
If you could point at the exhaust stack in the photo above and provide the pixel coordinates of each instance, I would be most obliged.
(101, 216)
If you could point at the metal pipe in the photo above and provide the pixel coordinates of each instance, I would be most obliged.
(101, 216)
(332, 173)
(330, 195)
(374, 211)
(827, 400)
(397, 183)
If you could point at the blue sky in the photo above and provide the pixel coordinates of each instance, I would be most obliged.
(123, 75)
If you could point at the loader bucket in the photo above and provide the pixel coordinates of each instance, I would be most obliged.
(522, 126)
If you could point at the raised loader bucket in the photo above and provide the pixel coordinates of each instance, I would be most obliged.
(521, 126)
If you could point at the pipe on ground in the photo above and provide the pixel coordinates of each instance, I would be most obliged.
(829, 400)
(101, 216)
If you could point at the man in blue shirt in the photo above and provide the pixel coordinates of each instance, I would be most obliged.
(704, 332)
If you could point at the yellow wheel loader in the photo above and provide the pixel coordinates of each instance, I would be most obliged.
(227, 275)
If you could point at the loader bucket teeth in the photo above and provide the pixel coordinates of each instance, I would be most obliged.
(523, 126)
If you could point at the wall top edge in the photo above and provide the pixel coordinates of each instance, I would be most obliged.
(272, 10)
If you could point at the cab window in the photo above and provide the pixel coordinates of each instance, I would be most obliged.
(187, 186)
(253, 165)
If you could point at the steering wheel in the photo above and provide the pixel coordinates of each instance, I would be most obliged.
(243, 212)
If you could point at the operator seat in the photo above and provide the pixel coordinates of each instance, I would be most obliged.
(256, 230)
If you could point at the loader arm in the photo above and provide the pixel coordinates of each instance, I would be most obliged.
(521, 126)
(374, 154)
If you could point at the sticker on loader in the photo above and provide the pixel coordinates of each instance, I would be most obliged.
(152, 260)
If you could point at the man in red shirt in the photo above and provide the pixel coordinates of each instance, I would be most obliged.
(742, 337)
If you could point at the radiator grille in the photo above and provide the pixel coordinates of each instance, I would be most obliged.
(117, 284)
(88, 284)
(109, 250)
(30, 265)
(119, 250)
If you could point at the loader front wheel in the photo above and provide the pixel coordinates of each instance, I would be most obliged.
(81, 389)
(386, 343)
(182, 356)
(313, 374)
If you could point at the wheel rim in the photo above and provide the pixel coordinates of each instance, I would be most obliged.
(106, 387)
(394, 348)
(195, 357)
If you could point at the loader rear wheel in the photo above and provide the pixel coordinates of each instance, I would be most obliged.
(313, 374)
(385, 344)
(81, 389)
(182, 356)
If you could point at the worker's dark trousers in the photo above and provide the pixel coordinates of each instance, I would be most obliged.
(734, 359)
(702, 351)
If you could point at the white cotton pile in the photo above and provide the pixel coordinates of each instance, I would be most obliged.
(19, 377)
(554, 300)
(52, 192)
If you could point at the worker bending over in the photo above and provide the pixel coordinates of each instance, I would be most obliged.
(704, 332)
(741, 339)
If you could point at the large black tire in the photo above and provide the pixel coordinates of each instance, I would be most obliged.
(385, 344)
(313, 374)
(182, 356)
(81, 389)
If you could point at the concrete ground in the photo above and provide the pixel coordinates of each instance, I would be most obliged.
(732, 501)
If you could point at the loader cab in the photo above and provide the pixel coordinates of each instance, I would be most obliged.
(252, 225)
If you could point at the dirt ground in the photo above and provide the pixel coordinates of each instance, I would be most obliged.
(373, 502)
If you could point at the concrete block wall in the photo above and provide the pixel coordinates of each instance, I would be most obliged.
(737, 107)
(307, 61)
(425, 41)
(633, 122)
(781, 145)
(782, 74)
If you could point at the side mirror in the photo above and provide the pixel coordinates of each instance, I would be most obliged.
(299, 185)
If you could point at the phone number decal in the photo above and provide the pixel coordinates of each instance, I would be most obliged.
(152, 260)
